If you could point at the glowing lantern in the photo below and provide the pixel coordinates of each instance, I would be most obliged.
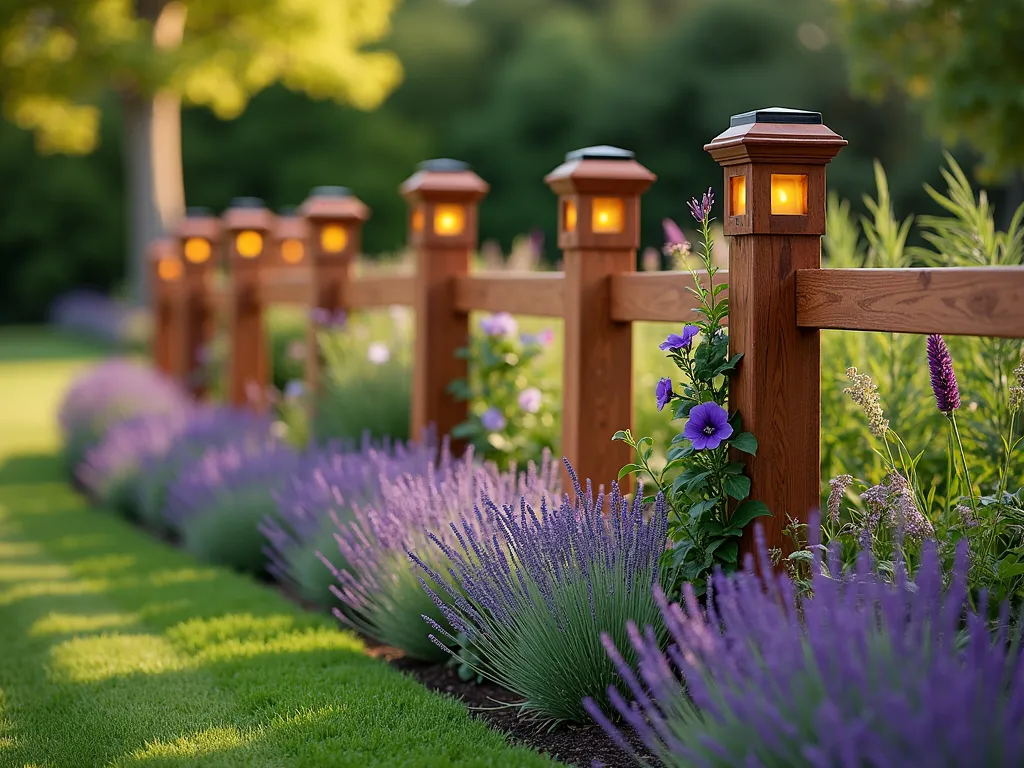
(333, 238)
(737, 196)
(449, 219)
(417, 220)
(789, 194)
(169, 269)
(569, 216)
(197, 250)
(608, 215)
(249, 244)
(292, 251)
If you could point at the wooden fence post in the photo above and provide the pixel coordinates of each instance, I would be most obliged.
(248, 226)
(198, 241)
(165, 282)
(443, 196)
(334, 219)
(774, 197)
(599, 192)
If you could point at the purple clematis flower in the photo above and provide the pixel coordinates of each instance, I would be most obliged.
(493, 420)
(664, 392)
(680, 340)
(708, 426)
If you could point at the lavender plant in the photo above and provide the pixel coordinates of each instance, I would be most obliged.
(108, 393)
(534, 592)
(699, 479)
(512, 413)
(217, 503)
(110, 470)
(335, 479)
(867, 673)
(208, 427)
(376, 582)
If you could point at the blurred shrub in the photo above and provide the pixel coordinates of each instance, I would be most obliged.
(108, 393)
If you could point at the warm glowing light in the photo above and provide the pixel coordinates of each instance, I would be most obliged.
(737, 195)
(569, 216)
(169, 269)
(417, 220)
(249, 244)
(333, 238)
(197, 250)
(789, 194)
(449, 219)
(608, 215)
(292, 251)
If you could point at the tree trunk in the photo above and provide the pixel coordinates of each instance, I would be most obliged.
(155, 185)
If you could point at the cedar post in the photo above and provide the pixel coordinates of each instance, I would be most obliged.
(774, 161)
(334, 219)
(599, 192)
(198, 240)
(165, 280)
(248, 226)
(443, 196)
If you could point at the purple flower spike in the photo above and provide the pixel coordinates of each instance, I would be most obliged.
(680, 340)
(673, 234)
(701, 209)
(940, 364)
(708, 426)
(664, 392)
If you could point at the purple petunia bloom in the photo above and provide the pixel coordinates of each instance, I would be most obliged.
(663, 392)
(493, 420)
(500, 324)
(940, 365)
(708, 426)
(680, 340)
(530, 400)
(701, 209)
(864, 673)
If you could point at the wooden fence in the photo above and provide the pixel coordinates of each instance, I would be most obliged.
(774, 196)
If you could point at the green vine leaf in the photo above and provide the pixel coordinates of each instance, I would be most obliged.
(737, 486)
(745, 442)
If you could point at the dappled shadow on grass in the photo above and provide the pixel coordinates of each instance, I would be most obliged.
(115, 649)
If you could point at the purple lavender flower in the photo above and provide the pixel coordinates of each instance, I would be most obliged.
(940, 365)
(708, 426)
(493, 420)
(702, 210)
(207, 427)
(318, 500)
(663, 392)
(863, 673)
(294, 389)
(534, 595)
(320, 316)
(530, 400)
(97, 315)
(500, 324)
(680, 340)
(217, 503)
(376, 582)
(111, 392)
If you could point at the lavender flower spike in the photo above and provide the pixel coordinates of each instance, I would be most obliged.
(940, 365)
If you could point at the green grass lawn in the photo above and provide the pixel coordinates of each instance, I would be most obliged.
(118, 650)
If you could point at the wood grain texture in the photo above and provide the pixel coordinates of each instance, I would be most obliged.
(965, 301)
(380, 291)
(198, 307)
(656, 296)
(597, 373)
(776, 388)
(525, 293)
(441, 329)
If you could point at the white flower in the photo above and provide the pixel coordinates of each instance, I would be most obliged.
(378, 353)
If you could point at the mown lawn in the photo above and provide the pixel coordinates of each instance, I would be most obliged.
(118, 650)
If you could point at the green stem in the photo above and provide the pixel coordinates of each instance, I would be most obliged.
(963, 460)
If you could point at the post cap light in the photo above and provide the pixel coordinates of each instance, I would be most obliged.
(249, 243)
(169, 268)
(333, 238)
(197, 235)
(249, 223)
(290, 237)
(197, 250)
(442, 197)
(774, 165)
(599, 189)
(335, 216)
(329, 191)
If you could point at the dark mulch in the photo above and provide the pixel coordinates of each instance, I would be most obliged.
(577, 745)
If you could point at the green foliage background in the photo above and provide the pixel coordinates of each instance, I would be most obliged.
(510, 87)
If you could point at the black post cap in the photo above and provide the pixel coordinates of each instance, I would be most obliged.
(776, 115)
(286, 210)
(198, 212)
(602, 152)
(329, 191)
(247, 202)
(443, 165)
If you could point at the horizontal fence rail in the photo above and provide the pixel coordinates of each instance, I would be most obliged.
(528, 293)
(957, 301)
(657, 296)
